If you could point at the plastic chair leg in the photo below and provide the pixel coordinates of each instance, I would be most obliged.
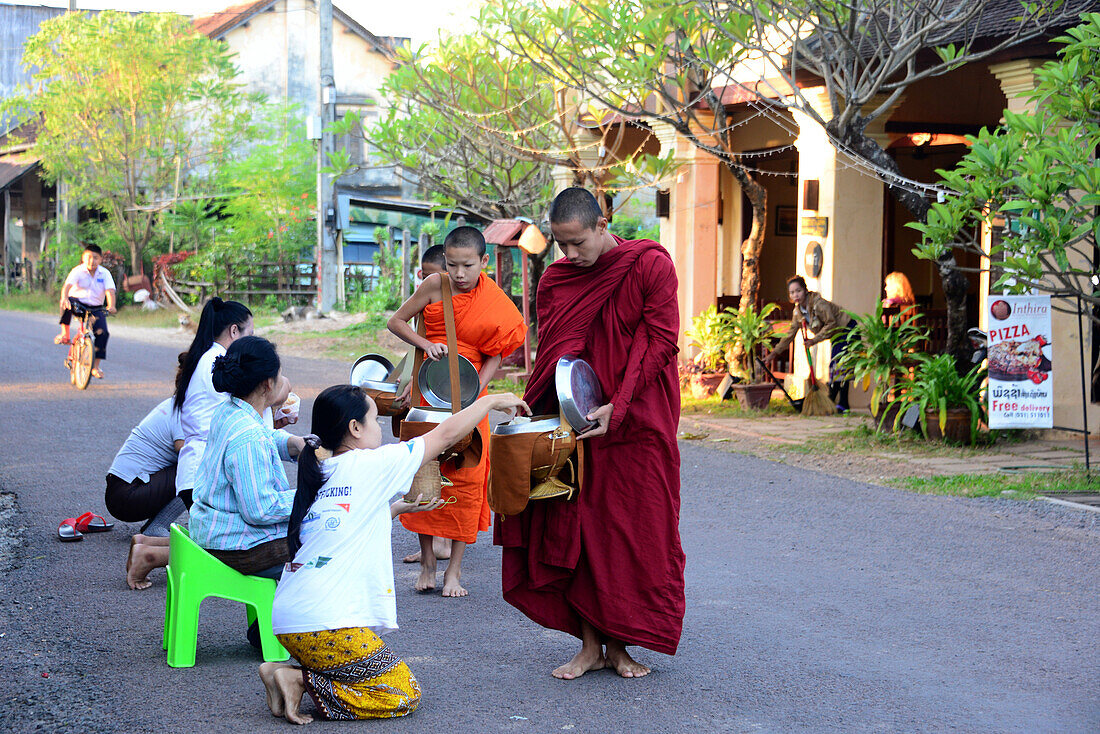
(169, 607)
(273, 650)
(183, 635)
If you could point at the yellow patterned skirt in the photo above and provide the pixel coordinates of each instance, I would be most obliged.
(351, 674)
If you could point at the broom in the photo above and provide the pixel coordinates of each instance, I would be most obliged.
(817, 400)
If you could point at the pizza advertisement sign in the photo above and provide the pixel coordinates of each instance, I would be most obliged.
(1021, 391)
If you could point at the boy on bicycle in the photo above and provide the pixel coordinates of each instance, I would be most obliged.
(93, 286)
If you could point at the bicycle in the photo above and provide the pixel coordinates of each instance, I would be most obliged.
(82, 349)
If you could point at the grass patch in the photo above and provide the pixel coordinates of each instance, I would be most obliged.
(35, 301)
(508, 384)
(864, 439)
(712, 406)
(1017, 486)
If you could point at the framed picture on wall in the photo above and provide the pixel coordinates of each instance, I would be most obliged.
(786, 221)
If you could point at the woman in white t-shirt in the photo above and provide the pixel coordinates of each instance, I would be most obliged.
(337, 592)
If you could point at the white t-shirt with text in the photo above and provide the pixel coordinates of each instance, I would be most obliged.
(342, 576)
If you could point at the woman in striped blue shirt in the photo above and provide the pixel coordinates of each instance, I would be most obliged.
(242, 496)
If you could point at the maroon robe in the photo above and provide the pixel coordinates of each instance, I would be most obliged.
(611, 556)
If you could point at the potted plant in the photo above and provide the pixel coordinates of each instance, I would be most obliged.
(881, 351)
(710, 335)
(950, 405)
(748, 332)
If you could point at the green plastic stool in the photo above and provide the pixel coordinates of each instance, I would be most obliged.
(193, 575)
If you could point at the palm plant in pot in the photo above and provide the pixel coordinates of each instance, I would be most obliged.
(880, 352)
(710, 335)
(749, 331)
(950, 405)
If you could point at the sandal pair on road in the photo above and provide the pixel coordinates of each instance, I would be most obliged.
(73, 528)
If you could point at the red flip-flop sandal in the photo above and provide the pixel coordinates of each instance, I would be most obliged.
(67, 531)
(90, 522)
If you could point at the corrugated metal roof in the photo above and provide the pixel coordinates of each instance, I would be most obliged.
(15, 167)
(503, 231)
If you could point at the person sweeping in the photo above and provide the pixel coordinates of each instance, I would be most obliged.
(819, 320)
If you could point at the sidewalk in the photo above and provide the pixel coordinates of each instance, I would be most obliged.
(790, 438)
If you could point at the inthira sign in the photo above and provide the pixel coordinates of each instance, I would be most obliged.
(1021, 392)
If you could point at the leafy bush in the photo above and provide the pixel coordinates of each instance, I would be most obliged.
(937, 387)
(881, 351)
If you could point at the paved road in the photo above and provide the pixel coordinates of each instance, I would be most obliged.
(814, 603)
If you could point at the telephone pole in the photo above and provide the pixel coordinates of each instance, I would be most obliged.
(326, 208)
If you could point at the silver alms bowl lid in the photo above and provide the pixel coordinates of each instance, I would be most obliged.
(579, 392)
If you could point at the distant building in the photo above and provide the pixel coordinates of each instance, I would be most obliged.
(276, 43)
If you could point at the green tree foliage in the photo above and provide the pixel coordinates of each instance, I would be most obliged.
(268, 200)
(127, 105)
(651, 61)
(1035, 183)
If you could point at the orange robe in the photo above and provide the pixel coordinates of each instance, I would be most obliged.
(487, 324)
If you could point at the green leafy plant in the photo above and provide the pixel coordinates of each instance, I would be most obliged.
(747, 331)
(710, 333)
(881, 351)
(937, 387)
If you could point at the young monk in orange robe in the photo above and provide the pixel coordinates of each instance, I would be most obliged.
(488, 327)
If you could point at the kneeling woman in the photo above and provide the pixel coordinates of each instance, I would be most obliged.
(242, 496)
(338, 590)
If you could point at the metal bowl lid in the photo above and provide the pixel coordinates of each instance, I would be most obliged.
(435, 382)
(428, 415)
(579, 392)
(522, 424)
(379, 386)
(373, 367)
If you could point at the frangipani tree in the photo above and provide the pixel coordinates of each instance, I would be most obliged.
(655, 62)
(1035, 183)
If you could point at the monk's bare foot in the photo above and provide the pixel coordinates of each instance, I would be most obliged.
(426, 580)
(291, 687)
(588, 659)
(441, 547)
(143, 559)
(452, 584)
(274, 697)
(626, 666)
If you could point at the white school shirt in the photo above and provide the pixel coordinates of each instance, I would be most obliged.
(90, 288)
(342, 576)
(150, 447)
(198, 408)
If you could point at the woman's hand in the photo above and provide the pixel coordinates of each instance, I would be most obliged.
(401, 507)
(602, 416)
(403, 393)
(508, 403)
(296, 444)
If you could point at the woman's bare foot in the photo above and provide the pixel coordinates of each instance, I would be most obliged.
(291, 686)
(426, 580)
(274, 697)
(441, 547)
(452, 583)
(589, 658)
(626, 666)
(143, 559)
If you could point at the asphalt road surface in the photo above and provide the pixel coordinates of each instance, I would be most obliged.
(814, 603)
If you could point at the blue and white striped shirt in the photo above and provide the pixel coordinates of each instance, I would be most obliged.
(242, 496)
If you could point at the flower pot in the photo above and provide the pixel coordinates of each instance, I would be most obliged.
(884, 422)
(703, 386)
(957, 427)
(755, 396)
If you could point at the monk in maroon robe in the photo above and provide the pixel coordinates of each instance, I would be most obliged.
(607, 566)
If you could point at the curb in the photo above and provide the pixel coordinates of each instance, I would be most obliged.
(1073, 505)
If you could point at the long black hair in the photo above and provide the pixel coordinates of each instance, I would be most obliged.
(249, 361)
(333, 410)
(217, 316)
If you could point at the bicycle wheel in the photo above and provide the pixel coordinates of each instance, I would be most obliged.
(82, 365)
